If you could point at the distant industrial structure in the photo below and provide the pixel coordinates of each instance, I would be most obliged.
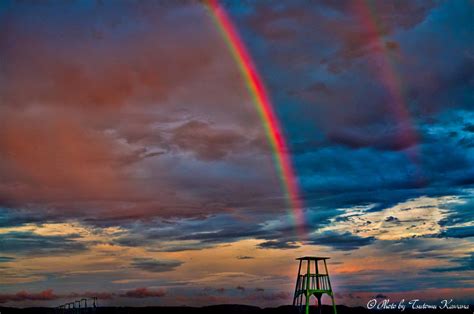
(82, 306)
(313, 282)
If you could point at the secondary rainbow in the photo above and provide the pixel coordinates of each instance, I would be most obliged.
(264, 106)
(366, 12)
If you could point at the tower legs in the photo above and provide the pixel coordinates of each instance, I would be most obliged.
(318, 297)
(307, 304)
(333, 304)
(297, 285)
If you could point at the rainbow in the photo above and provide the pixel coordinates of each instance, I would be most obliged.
(392, 81)
(265, 110)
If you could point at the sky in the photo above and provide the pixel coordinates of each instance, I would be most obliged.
(134, 165)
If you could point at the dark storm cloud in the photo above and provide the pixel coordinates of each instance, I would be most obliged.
(383, 138)
(154, 265)
(13, 218)
(226, 228)
(275, 244)
(29, 243)
(343, 113)
(341, 241)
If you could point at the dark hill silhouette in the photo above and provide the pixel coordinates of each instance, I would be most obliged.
(224, 309)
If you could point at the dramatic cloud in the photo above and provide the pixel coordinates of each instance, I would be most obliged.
(413, 218)
(341, 241)
(274, 244)
(132, 154)
(156, 266)
(84, 134)
(459, 232)
(30, 243)
(205, 142)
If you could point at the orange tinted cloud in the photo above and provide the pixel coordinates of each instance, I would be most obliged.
(43, 155)
(94, 122)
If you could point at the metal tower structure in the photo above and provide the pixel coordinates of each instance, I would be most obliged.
(313, 282)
